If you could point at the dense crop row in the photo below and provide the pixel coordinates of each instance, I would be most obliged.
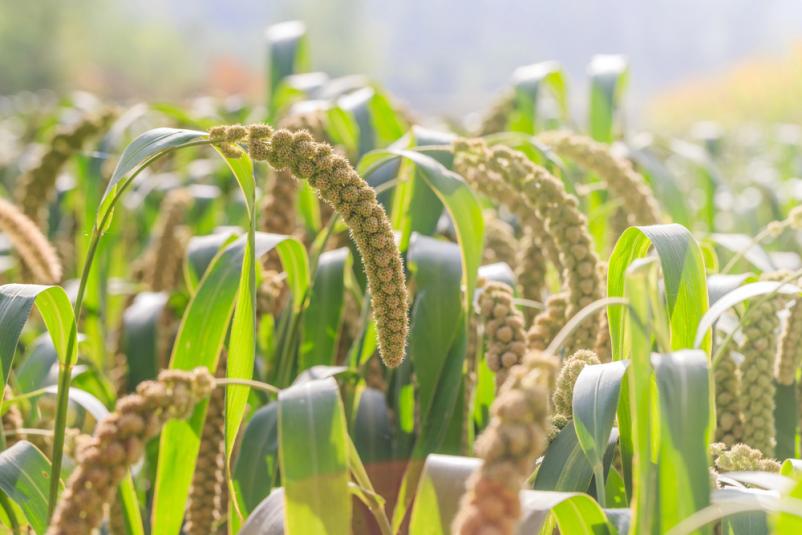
(318, 316)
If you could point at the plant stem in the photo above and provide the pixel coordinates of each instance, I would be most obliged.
(65, 372)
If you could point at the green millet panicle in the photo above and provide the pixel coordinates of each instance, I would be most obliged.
(621, 178)
(119, 441)
(516, 435)
(164, 259)
(208, 495)
(338, 184)
(503, 327)
(759, 348)
(727, 380)
(545, 195)
(741, 458)
(37, 186)
(33, 248)
(564, 390)
(790, 345)
(500, 242)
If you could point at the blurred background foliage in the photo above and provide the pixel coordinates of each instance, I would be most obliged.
(724, 60)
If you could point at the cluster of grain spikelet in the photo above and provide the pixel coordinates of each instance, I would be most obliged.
(759, 348)
(503, 328)
(471, 160)
(37, 254)
(338, 184)
(727, 380)
(208, 495)
(789, 356)
(279, 214)
(564, 389)
(119, 442)
(37, 186)
(500, 242)
(12, 419)
(741, 458)
(505, 174)
(516, 436)
(621, 178)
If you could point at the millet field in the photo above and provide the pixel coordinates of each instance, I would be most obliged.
(323, 313)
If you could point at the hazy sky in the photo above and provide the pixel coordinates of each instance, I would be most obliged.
(453, 56)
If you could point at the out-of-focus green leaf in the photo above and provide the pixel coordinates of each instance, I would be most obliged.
(322, 318)
(287, 54)
(140, 337)
(609, 77)
(529, 82)
(314, 472)
(256, 465)
(24, 472)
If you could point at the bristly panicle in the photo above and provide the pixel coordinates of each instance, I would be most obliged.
(37, 254)
(338, 184)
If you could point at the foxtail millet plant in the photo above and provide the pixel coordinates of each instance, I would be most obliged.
(759, 349)
(727, 381)
(564, 389)
(789, 356)
(516, 435)
(119, 441)
(503, 329)
(500, 242)
(33, 248)
(741, 458)
(546, 195)
(208, 495)
(548, 323)
(626, 184)
(163, 261)
(338, 184)
(279, 214)
(531, 268)
(36, 188)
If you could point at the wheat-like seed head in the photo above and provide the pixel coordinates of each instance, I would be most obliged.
(34, 249)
